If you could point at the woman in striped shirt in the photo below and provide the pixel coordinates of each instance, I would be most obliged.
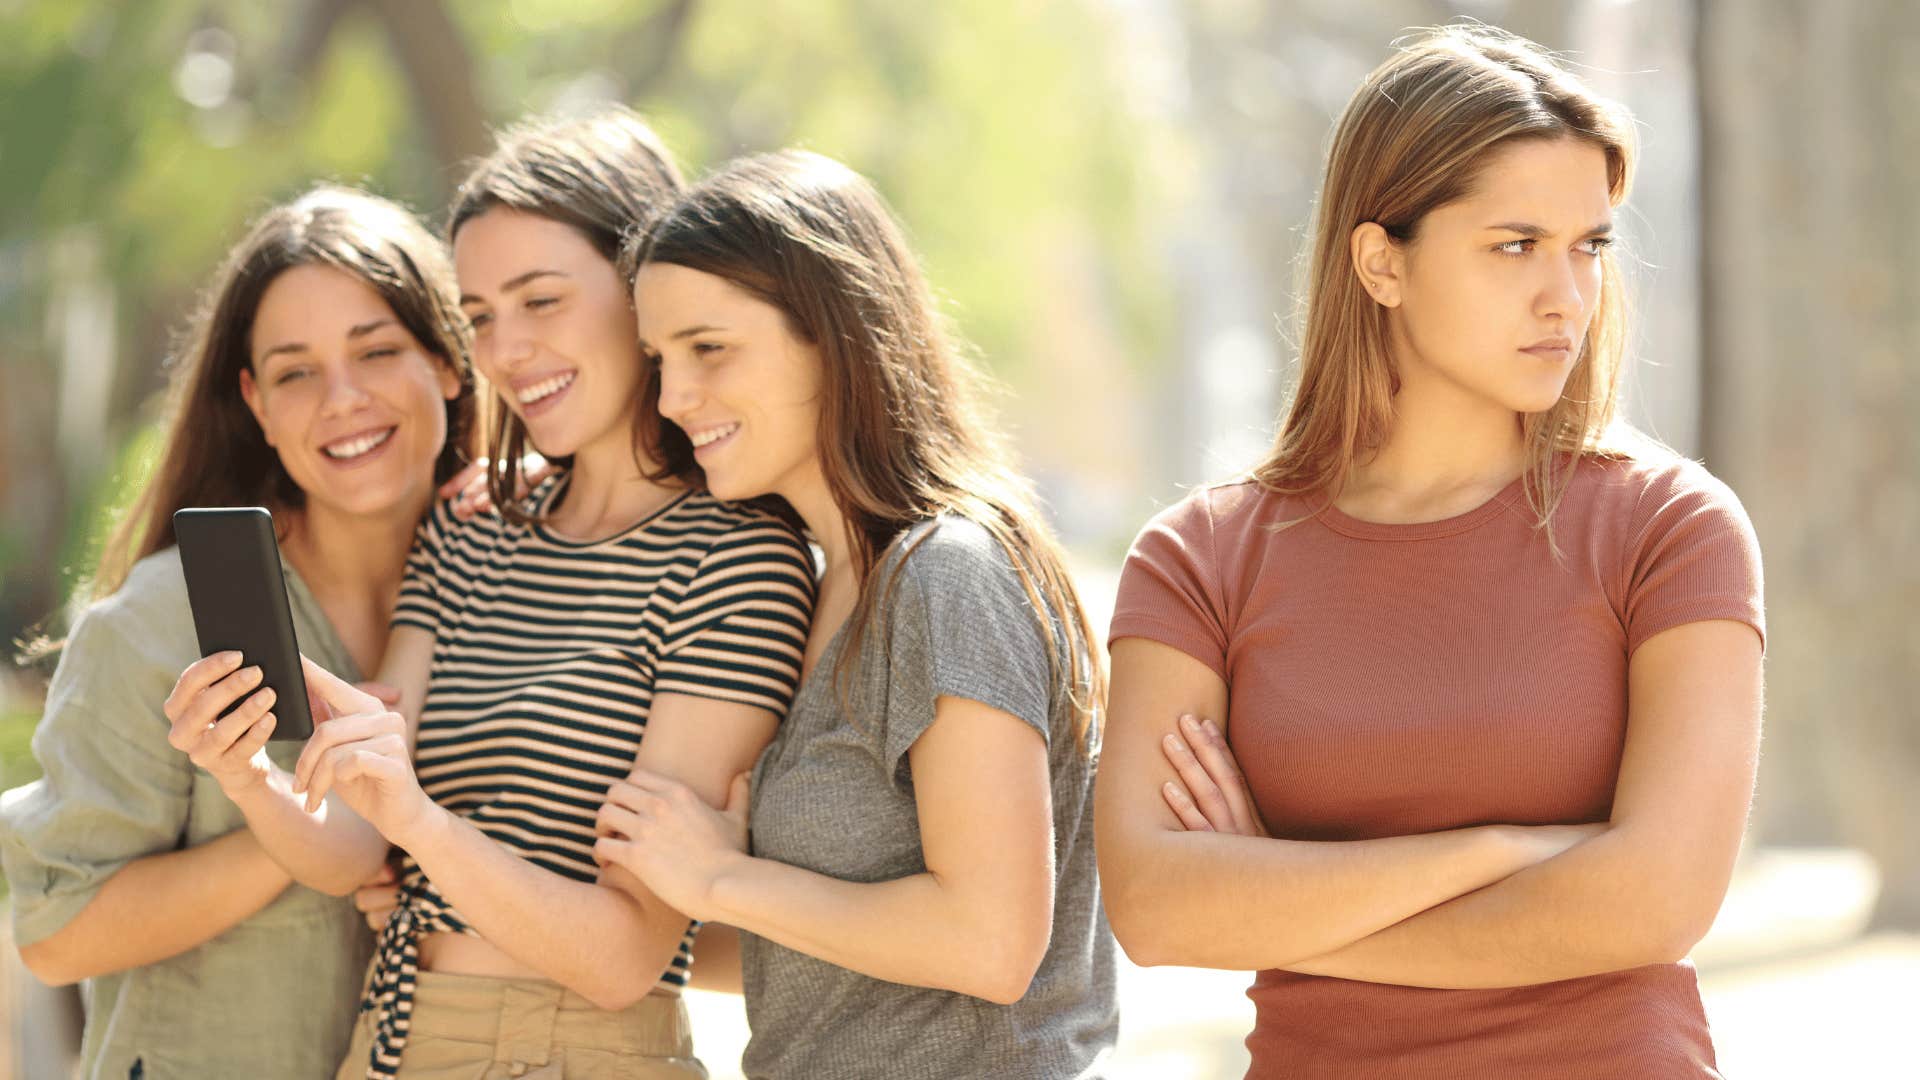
(620, 616)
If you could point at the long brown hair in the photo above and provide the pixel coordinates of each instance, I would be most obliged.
(903, 437)
(214, 453)
(1414, 138)
(602, 174)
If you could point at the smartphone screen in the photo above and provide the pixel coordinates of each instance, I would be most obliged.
(239, 600)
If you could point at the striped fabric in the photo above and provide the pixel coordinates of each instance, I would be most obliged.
(547, 655)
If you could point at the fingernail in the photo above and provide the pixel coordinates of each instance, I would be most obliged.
(268, 697)
(252, 673)
(1211, 730)
(230, 657)
(1190, 723)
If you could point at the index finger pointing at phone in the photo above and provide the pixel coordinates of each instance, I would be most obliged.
(340, 697)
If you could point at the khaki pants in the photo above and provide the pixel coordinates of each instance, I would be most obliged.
(473, 1027)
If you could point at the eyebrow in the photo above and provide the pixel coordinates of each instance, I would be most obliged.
(514, 283)
(1536, 232)
(361, 330)
(692, 330)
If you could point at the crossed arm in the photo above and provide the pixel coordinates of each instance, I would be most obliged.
(1639, 890)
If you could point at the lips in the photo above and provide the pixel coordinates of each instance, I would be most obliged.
(708, 436)
(354, 447)
(536, 394)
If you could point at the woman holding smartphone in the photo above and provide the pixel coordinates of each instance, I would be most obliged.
(919, 900)
(1490, 662)
(620, 615)
(326, 377)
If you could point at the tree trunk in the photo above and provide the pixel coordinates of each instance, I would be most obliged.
(1810, 160)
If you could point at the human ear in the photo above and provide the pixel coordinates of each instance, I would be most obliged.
(1378, 262)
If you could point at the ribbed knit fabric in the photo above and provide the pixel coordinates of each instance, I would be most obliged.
(1386, 680)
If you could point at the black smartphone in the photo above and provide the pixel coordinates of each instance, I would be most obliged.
(239, 600)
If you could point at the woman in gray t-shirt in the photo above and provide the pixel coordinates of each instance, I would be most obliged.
(328, 379)
(920, 900)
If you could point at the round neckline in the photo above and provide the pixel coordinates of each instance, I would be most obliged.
(1347, 525)
(544, 501)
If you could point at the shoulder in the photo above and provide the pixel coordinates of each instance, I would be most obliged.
(153, 598)
(949, 551)
(717, 530)
(1654, 485)
(1221, 509)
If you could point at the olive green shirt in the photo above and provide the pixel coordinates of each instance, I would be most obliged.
(273, 996)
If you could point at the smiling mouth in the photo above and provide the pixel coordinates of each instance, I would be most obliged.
(358, 445)
(546, 388)
(712, 435)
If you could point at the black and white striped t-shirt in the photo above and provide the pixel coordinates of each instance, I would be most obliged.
(547, 655)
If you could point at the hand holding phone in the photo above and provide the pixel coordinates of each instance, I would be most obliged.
(239, 597)
(227, 741)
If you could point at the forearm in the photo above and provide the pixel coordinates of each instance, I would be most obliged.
(591, 938)
(1590, 910)
(1209, 899)
(913, 930)
(332, 850)
(160, 906)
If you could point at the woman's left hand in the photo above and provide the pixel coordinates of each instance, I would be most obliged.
(1211, 793)
(669, 838)
(470, 494)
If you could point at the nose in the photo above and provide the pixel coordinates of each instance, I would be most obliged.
(1561, 294)
(508, 346)
(344, 393)
(679, 391)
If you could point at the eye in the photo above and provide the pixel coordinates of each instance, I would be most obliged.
(381, 353)
(1514, 247)
(1595, 245)
(479, 321)
(707, 348)
(536, 303)
(290, 374)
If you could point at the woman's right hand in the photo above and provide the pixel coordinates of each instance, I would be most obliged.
(232, 749)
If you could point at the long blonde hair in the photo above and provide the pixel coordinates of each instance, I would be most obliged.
(1414, 138)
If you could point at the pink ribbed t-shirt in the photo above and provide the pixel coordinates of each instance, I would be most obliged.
(1385, 680)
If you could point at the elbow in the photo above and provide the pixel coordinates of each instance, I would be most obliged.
(45, 961)
(1141, 936)
(1007, 974)
(1668, 936)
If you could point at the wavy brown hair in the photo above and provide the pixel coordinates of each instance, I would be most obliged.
(214, 453)
(1415, 137)
(602, 174)
(903, 436)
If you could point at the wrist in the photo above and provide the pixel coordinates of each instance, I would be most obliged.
(424, 830)
(729, 891)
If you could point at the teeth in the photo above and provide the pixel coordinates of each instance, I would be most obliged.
(545, 388)
(353, 448)
(713, 435)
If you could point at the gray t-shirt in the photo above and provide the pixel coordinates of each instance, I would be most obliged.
(833, 793)
(273, 996)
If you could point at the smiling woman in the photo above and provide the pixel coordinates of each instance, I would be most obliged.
(326, 377)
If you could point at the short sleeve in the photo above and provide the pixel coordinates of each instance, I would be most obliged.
(112, 788)
(420, 598)
(1169, 587)
(959, 623)
(1695, 558)
(740, 631)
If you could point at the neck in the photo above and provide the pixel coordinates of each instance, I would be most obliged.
(813, 501)
(606, 488)
(1446, 446)
(359, 555)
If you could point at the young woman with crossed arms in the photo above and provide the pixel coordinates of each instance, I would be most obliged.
(1491, 664)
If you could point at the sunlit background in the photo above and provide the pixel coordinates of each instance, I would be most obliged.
(1110, 195)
